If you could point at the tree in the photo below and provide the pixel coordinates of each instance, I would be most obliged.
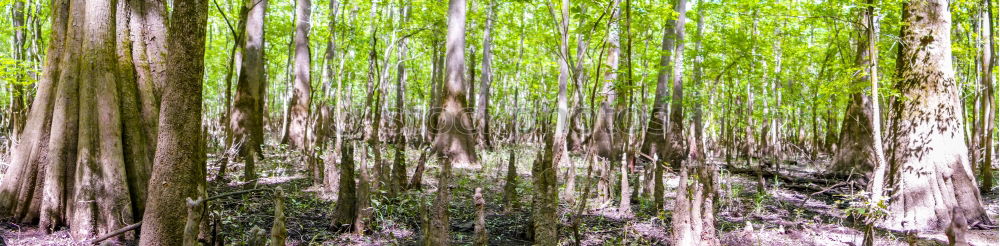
(482, 108)
(331, 176)
(601, 138)
(694, 213)
(545, 200)
(179, 166)
(987, 106)
(247, 122)
(655, 141)
(929, 166)
(855, 154)
(302, 89)
(560, 153)
(398, 179)
(452, 141)
(675, 137)
(453, 135)
(345, 211)
(90, 133)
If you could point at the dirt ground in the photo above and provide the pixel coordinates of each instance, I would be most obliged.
(785, 213)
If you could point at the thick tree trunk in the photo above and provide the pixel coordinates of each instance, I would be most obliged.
(854, 153)
(247, 122)
(601, 142)
(87, 135)
(694, 212)
(179, 165)
(655, 140)
(364, 209)
(545, 200)
(346, 209)
(453, 138)
(601, 139)
(453, 142)
(302, 88)
(676, 147)
(929, 166)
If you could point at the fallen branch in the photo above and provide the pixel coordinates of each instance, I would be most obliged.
(115, 233)
(804, 200)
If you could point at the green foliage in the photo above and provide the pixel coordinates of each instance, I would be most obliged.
(17, 72)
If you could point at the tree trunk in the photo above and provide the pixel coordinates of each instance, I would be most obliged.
(675, 137)
(545, 203)
(510, 183)
(560, 153)
(694, 212)
(364, 208)
(331, 177)
(655, 141)
(987, 105)
(235, 62)
(453, 142)
(346, 209)
(482, 108)
(247, 122)
(18, 109)
(179, 165)
(930, 171)
(854, 153)
(87, 135)
(601, 142)
(398, 179)
(302, 88)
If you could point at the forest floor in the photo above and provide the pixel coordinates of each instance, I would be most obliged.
(785, 212)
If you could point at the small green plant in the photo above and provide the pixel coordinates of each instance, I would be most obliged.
(759, 200)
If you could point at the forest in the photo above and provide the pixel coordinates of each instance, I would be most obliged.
(499, 122)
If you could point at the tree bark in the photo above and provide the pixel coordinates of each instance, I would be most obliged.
(510, 183)
(545, 200)
(987, 104)
(86, 137)
(655, 140)
(675, 137)
(302, 88)
(929, 166)
(453, 142)
(561, 153)
(601, 138)
(481, 234)
(854, 153)
(331, 177)
(346, 209)
(179, 165)
(601, 141)
(398, 179)
(694, 213)
(482, 108)
(247, 122)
